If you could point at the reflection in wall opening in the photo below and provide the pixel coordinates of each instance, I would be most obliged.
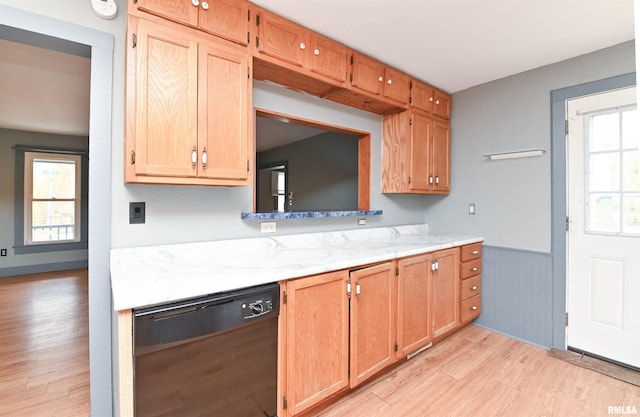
(272, 186)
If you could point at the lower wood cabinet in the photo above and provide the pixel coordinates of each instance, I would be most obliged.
(414, 304)
(470, 282)
(445, 292)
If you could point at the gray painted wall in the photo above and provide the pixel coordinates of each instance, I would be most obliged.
(512, 197)
(322, 171)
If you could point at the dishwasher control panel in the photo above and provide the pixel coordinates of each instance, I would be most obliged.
(257, 308)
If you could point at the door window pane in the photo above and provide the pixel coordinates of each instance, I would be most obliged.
(630, 129)
(604, 172)
(631, 214)
(631, 173)
(604, 213)
(53, 221)
(605, 132)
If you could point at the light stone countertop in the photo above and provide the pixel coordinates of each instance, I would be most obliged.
(150, 275)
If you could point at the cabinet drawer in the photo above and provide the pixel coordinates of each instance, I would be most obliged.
(469, 252)
(470, 309)
(470, 287)
(471, 268)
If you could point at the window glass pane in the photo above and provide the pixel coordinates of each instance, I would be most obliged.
(630, 129)
(54, 179)
(53, 221)
(605, 132)
(604, 213)
(631, 214)
(631, 173)
(604, 172)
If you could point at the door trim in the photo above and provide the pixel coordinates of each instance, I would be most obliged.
(559, 192)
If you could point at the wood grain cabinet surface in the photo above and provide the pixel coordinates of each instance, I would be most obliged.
(445, 290)
(414, 304)
(188, 100)
(470, 282)
(226, 18)
(433, 101)
(415, 154)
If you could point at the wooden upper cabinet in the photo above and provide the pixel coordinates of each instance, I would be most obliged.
(373, 330)
(415, 153)
(317, 339)
(187, 107)
(280, 38)
(327, 57)
(376, 78)
(430, 99)
(226, 18)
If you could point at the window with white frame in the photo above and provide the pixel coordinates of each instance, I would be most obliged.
(52, 204)
(612, 161)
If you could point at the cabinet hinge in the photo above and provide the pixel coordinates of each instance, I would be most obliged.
(248, 37)
(397, 271)
(351, 77)
(284, 297)
(410, 99)
(409, 180)
(566, 127)
(410, 85)
(284, 403)
(351, 59)
(257, 20)
(135, 1)
(133, 157)
(257, 42)
(249, 15)
(395, 347)
(410, 122)
(134, 40)
(247, 165)
(248, 78)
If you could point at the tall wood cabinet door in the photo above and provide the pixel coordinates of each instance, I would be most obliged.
(223, 96)
(166, 113)
(420, 153)
(281, 38)
(183, 11)
(226, 18)
(327, 57)
(414, 304)
(441, 155)
(372, 321)
(367, 73)
(445, 291)
(317, 348)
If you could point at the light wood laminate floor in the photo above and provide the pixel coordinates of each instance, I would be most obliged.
(480, 373)
(44, 345)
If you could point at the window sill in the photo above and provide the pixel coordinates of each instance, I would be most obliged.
(49, 247)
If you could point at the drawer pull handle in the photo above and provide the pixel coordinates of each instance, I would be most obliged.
(474, 269)
(474, 308)
(475, 252)
(475, 287)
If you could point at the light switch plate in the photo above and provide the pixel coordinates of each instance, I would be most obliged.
(137, 213)
(472, 209)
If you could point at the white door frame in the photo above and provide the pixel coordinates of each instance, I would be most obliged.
(559, 192)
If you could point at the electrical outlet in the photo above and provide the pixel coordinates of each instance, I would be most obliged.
(362, 222)
(267, 227)
(3, 252)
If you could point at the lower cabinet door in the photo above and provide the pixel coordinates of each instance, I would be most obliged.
(373, 294)
(414, 304)
(317, 339)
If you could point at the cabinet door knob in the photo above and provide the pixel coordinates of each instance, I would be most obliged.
(389, 81)
(475, 287)
(430, 98)
(474, 308)
(205, 5)
(437, 101)
(302, 45)
(204, 157)
(195, 2)
(316, 52)
(194, 156)
(380, 78)
(474, 269)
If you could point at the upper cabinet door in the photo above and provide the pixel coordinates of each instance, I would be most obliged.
(396, 85)
(223, 110)
(368, 74)
(422, 96)
(281, 38)
(327, 57)
(226, 18)
(442, 105)
(420, 153)
(441, 155)
(166, 116)
(182, 11)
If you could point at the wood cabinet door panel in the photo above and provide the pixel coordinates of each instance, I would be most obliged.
(166, 100)
(422, 96)
(281, 38)
(327, 57)
(420, 152)
(442, 105)
(182, 11)
(372, 321)
(441, 156)
(396, 86)
(414, 304)
(317, 348)
(226, 18)
(445, 291)
(368, 74)
(223, 105)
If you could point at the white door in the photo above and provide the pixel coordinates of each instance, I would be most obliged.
(603, 241)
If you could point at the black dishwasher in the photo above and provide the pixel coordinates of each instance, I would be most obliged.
(211, 356)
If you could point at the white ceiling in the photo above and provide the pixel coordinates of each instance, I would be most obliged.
(456, 44)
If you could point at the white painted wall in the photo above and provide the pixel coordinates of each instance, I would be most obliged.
(512, 197)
